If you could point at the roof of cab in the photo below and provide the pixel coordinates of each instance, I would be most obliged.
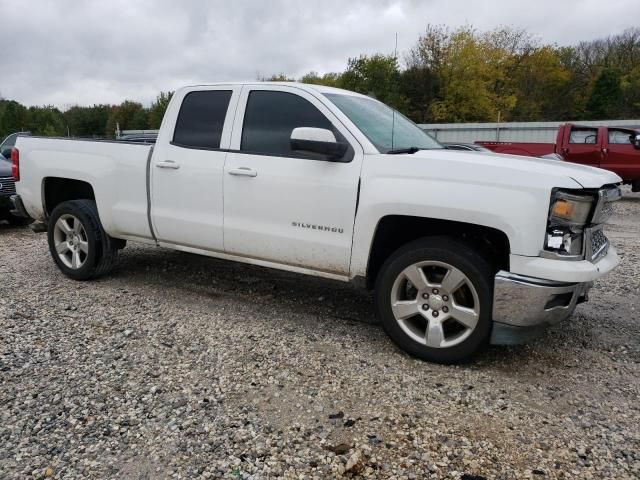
(302, 86)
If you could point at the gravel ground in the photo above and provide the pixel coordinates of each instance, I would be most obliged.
(179, 366)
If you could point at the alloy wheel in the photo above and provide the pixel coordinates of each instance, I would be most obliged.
(435, 304)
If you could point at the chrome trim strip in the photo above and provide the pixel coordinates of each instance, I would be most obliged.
(148, 178)
(605, 197)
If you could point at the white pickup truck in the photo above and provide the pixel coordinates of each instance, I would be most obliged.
(461, 248)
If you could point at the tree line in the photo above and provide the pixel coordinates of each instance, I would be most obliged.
(449, 75)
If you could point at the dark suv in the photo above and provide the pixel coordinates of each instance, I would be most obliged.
(7, 184)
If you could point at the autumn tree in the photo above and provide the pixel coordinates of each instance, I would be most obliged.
(128, 116)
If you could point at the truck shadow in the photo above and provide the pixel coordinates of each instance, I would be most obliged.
(6, 227)
(221, 280)
(211, 283)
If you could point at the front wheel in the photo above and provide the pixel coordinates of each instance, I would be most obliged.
(78, 243)
(434, 299)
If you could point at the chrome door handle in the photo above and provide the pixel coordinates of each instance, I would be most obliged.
(243, 171)
(168, 164)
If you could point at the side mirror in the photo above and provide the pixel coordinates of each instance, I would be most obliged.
(636, 141)
(319, 141)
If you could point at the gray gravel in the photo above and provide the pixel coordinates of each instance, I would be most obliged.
(178, 366)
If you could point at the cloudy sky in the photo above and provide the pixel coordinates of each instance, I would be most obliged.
(68, 52)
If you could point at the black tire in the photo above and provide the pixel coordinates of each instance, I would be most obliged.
(463, 257)
(102, 252)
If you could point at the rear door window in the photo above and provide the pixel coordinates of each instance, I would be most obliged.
(201, 119)
(584, 135)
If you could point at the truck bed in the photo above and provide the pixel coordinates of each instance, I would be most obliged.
(115, 170)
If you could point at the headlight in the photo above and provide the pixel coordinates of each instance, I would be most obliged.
(568, 215)
(570, 209)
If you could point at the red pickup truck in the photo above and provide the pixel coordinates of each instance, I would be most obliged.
(612, 148)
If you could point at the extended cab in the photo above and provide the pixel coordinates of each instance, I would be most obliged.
(613, 148)
(460, 248)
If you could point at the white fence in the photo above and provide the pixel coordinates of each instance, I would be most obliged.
(535, 132)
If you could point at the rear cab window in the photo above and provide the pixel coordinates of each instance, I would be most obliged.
(201, 119)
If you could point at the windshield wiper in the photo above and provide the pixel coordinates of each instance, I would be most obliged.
(410, 150)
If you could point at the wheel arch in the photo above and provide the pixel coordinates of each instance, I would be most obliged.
(56, 190)
(394, 231)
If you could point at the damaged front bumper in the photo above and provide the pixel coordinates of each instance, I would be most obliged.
(523, 307)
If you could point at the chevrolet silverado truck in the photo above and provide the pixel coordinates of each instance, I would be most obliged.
(461, 249)
(613, 148)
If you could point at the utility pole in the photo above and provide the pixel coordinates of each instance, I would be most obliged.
(395, 50)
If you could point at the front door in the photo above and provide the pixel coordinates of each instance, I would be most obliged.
(187, 169)
(280, 205)
(621, 156)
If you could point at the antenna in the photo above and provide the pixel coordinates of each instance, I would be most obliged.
(395, 50)
(393, 110)
(393, 124)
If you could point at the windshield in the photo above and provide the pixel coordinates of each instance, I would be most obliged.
(385, 128)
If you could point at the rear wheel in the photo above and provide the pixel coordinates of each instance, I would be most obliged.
(78, 243)
(434, 299)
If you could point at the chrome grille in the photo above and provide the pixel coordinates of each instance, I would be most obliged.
(597, 241)
(599, 244)
(7, 186)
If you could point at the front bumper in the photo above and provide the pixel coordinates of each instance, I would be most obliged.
(524, 306)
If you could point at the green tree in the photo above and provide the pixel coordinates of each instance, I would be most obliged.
(606, 96)
(419, 85)
(158, 108)
(89, 122)
(327, 79)
(631, 92)
(14, 117)
(47, 121)
(378, 76)
(278, 77)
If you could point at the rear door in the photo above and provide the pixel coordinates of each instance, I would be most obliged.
(280, 205)
(187, 168)
(583, 145)
(621, 156)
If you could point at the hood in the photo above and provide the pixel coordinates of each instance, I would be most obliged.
(5, 167)
(520, 169)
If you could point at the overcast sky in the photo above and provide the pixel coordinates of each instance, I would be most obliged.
(68, 52)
